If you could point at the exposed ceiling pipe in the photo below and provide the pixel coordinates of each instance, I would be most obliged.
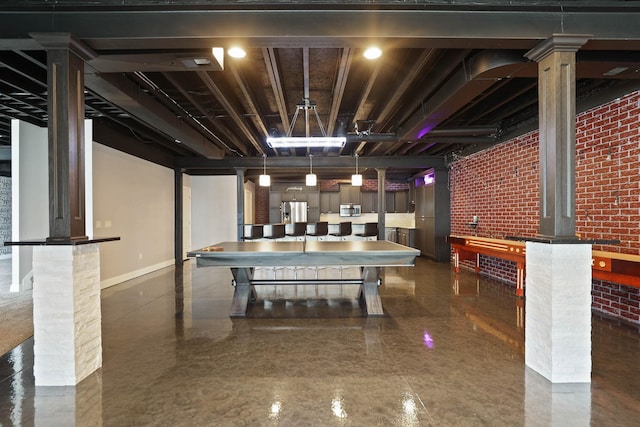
(446, 65)
(119, 90)
(478, 73)
(436, 133)
(239, 148)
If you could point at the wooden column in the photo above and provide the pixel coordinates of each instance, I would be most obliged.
(382, 202)
(557, 100)
(65, 85)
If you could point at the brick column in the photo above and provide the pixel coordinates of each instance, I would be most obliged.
(66, 313)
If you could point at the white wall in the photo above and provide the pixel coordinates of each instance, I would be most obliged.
(30, 194)
(132, 199)
(249, 202)
(213, 210)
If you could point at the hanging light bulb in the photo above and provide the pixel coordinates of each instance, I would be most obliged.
(356, 180)
(311, 179)
(264, 180)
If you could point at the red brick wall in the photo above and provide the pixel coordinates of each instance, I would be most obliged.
(501, 186)
(262, 205)
(616, 300)
(367, 185)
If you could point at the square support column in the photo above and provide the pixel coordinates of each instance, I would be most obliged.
(66, 58)
(558, 310)
(382, 202)
(556, 59)
(66, 313)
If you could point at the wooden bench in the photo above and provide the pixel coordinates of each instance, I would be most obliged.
(623, 269)
(471, 247)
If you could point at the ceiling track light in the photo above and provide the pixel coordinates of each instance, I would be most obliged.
(264, 180)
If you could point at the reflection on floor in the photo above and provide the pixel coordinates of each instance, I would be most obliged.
(16, 309)
(447, 353)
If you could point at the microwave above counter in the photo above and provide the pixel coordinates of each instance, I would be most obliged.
(350, 210)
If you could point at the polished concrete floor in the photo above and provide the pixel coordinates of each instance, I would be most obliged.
(448, 352)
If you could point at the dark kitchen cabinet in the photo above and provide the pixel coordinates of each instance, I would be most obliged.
(406, 236)
(433, 218)
(390, 202)
(330, 202)
(349, 194)
(369, 201)
(402, 204)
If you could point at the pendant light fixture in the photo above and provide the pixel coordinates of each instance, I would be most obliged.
(356, 180)
(264, 180)
(312, 179)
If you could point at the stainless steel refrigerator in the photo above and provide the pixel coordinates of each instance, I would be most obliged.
(293, 212)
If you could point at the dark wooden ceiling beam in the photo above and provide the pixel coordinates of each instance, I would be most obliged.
(273, 70)
(249, 102)
(509, 24)
(231, 110)
(346, 162)
(118, 90)
(361, 110)
(346, 59)
(238, 147)
(419, 66)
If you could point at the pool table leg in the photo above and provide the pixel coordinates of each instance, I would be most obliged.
(370, 293)
(242, 278)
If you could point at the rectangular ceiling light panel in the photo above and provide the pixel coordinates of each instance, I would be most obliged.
(301, 141)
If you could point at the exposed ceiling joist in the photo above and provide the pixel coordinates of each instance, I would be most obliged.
(120, 91)
(417, 162)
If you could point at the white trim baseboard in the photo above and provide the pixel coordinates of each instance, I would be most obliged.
(133, 274)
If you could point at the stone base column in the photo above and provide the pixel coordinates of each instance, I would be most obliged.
(66, 313)
(558, 311)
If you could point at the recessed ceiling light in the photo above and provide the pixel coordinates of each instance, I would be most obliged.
(236, 52)
(372, 52)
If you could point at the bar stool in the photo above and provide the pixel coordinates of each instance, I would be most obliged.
(274, 232)
(253, 232)
(299, 230)
(321, 230)
(345, 230)
(370, 230)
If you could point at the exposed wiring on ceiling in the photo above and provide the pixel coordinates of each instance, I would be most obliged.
(158, 90)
